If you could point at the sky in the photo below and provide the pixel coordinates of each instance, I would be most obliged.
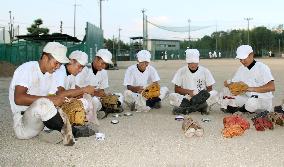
(126, 14)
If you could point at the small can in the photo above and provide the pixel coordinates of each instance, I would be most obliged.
(179, 118)
(205, 120)
(100, 136)
(114, 121)
(116, 115)
(128, 114)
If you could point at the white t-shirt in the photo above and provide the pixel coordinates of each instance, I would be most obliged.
(134, 77)
(197, 81)
(30, 76)
(64, 80)
(257, 76)
(87, 77)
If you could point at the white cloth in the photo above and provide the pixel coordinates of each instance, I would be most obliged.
(197, 81)
(30, 124)
(30, 76)
(87, 77)
(134, 77)
(64, 80)
(257, 76)
(251, 104)
(140, 102)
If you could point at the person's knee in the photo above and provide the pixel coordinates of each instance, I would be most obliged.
(97, 103)
(252, 105)
(55, 123)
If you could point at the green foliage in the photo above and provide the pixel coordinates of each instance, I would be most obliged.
(34, 29)
(110, 45)
(261, 39)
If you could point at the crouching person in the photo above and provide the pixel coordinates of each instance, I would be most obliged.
(193, 87)
(97, 77)
(137, 78)
(257, 95)
(32, 108)
(80, 97)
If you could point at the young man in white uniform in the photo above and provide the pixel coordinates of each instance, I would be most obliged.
(137, 77)
(97, 76)
(190, 80)
(65, 77)
(259, 79)
(31, 84)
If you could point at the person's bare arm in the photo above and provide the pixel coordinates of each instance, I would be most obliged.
(135, 89)
(99, 92)
(76, 92)
(209, 88)
(270, 86)
(22, 98)
(183, 91)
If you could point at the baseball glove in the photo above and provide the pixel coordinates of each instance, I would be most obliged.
(196, 103)
(234, 125)
(238, 88)
(151, 91)
(262, 123)
(276, 118)
(75, 112)
(111, 104)
(191, 128)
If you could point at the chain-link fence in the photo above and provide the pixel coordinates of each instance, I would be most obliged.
(23, 51)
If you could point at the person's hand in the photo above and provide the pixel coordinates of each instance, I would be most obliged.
(89, 90)
(139, 89)
(227, 83)
(57, 100)
(99, 93)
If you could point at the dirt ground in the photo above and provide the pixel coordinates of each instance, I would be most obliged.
(154, 138)
(6, 69)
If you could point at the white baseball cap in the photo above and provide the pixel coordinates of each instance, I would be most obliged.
(57, 50)
(80, 56)
(144, 55)
(243, 51)
(192, 56)
(105, 55)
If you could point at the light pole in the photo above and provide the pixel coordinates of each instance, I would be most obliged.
(144, 35)
(75, 7)
(101, 20)
(3, 34)
(189, 32)
(248, 19)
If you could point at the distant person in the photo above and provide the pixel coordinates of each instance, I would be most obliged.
(29, 91)
(259, 79)
(214, 54)
(220, 55)
(189, 81)
(166, 56)
(270, 53)
(137, 77)
(210, 55)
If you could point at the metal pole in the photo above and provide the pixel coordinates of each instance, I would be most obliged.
(189, 32)
(10, 28)
(146, 32)
(248, 19)
(115, 58)
(279, 47)
(3, 34)
(143, 11)
(216, 40)
(75, 19)
(101, 17)
(119, 41)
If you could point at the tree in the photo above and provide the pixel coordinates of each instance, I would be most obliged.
(34, 29)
